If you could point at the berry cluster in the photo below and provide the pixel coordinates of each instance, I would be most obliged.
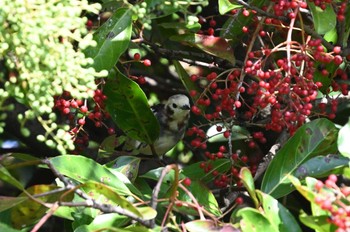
(335, 200)
(75, 111)
(276, 87)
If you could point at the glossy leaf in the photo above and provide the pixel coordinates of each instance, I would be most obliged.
(127, 165)
(232, 28)
(238, 133)
(104, 222)
(215, 46)
(318, 223)
(324, 20)
(129, 109)
(204, 197)
(209, 226)
(343, 140)
(248, 181)
(277, 214)
(312, 139)
(112, 39)
(227, 5)
(105, 194)
(83, 169)
(321, 166)
(253, 221)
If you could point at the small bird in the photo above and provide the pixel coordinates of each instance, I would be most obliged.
(173, 117)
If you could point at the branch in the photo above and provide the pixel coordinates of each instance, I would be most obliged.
(90, 202)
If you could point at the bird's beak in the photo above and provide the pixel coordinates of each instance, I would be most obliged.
(185, 107)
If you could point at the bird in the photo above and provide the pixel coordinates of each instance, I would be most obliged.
(173, 117)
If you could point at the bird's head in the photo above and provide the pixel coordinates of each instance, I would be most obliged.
(178, 107)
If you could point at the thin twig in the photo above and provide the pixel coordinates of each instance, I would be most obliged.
(90, 202)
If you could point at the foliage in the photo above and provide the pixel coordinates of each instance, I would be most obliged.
(268, 132)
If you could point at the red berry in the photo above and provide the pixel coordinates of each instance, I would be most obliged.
(244, 159)
(227, 134)
(147, 62)
(111, 131)
(337, 50)
(83, 109)
(137, 56)
(239, 200)
(211, 31)
(81, 121)
(187, 181)
(89, 24)
(212, 23)
(66, 110)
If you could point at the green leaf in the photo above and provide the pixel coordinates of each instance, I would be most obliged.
(253, 221)
(204, 196)
(104, 222)
(9, 202)
(279, 217)
(226, 6)
(107, 195)
(127, 165)
(318, 223)
(232, 28)
(83, 169)
(6, 176)
(181, 25)
(312, 139)
(29, 211)
(186, 81)
(209, 226)
(195, 172)
(238, 133)
(321, 166)
(324, 20)
(331, 36)
(129, 109)
(112, 39)
(343, 140)
(215, 46)
(7, 228)
(248, 181)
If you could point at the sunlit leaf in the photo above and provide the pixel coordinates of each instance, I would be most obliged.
(321, 166)
(112, 39)
(209, 226)
(324, 20)
(128, 107)
(227, 5)
(277, 214)
(248, 181)
(106, 195)
(312, 139)
(253, 221)
(343, 140)
(83, 169)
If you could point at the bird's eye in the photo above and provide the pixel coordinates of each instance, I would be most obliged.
(174, 105)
